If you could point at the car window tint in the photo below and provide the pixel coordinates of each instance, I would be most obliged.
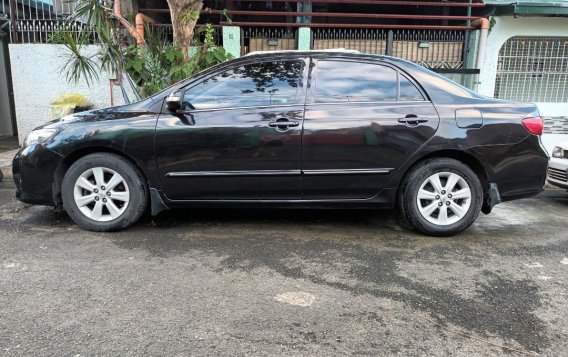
(408, 90)
(258, 84)
(338, 81)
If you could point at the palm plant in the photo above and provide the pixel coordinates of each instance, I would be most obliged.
(152, 67)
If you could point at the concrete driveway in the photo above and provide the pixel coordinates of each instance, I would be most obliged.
(281, 283)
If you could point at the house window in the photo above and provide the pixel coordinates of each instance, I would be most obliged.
(533, 69)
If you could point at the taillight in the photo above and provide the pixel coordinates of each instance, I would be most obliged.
(534, 125)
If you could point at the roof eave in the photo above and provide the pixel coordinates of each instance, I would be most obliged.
(529, 7)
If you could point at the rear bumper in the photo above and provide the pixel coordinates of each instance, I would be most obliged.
(34, 168)
(518, 170)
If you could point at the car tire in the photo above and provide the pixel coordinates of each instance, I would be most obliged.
(96, 207)
(440, 197)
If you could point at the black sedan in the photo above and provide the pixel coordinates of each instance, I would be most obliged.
(292, 129)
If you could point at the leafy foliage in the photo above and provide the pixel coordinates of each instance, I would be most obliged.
(152, 67)
(160, 64)
(78, 64)
(59, 37)
(190, 16)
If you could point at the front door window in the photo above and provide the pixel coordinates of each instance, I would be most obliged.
(257, 84)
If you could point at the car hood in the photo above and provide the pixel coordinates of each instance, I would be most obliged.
(95, 115)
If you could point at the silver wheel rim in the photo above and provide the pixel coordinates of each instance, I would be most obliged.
(101, 194)
(444, 198)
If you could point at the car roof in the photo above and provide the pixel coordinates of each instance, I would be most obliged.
(336, 52)
(332, 50)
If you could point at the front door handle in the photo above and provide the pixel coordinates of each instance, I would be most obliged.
(283, 123)
(413, 119)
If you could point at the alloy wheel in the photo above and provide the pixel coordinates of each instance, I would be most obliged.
(101, 194)
(444, 198)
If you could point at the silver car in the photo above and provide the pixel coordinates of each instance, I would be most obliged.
(558, 166)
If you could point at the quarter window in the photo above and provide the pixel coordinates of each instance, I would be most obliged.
(258, 84)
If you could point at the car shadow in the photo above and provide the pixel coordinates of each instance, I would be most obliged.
(178, 217)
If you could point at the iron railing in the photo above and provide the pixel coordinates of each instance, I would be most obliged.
(166, 31)
(363, 40)
(38, 21)
(35, 21)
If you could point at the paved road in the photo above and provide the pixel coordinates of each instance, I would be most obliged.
(270, 283)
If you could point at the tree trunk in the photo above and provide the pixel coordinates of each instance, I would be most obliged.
(184, 24)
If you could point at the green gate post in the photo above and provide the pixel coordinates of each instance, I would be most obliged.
(304, 39)
(232, 40)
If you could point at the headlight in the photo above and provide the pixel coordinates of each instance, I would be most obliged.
(38, 136)
(558, 152)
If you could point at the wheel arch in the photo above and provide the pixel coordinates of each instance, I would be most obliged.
(72, 157)
(466, 158)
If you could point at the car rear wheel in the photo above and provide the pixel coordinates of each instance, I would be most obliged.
(104, 192)
(441, 197)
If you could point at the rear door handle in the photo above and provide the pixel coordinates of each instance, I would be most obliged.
(283, 123)
(413, 119)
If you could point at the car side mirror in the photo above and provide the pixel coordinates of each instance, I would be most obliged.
(173, 101)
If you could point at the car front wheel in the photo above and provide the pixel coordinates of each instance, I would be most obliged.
(441, 197)
(104, 192)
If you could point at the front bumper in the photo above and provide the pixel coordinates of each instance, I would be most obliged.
(34, 174)
(558, 172)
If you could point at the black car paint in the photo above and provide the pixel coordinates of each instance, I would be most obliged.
(161, 142)
(342, 138)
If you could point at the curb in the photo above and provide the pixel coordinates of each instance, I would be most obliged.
(7, 171)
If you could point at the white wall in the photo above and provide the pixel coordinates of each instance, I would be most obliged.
(507, 27)
(37, 78)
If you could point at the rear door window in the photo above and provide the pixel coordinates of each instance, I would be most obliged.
(343, 81)
(339, 81)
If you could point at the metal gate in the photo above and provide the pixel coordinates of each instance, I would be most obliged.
(363, 40)
(533, 69)
(268, 39)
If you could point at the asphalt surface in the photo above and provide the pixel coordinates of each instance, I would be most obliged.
(281, 283)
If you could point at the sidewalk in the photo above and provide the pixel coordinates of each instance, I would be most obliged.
(6, 163)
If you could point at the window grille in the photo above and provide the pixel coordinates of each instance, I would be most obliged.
(533, 69)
